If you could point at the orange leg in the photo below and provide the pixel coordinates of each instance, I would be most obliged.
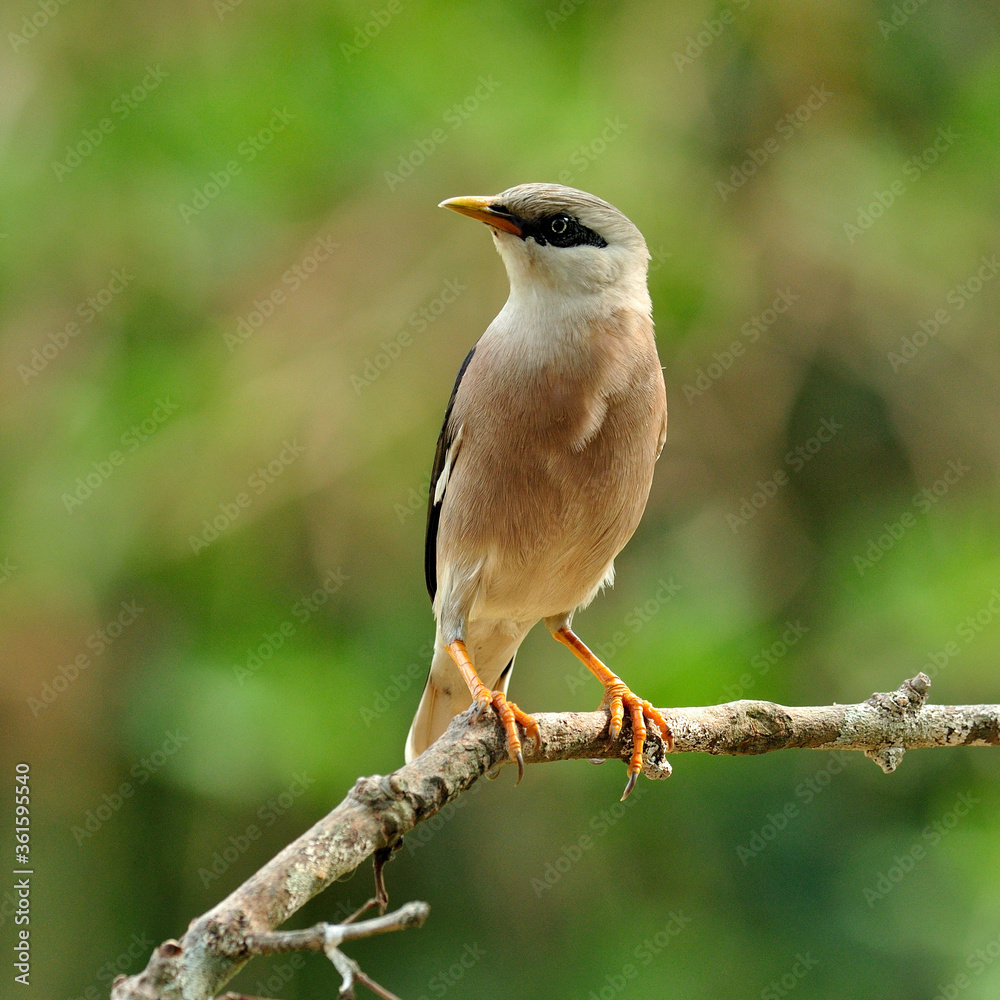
(510, 715)
(617, 698)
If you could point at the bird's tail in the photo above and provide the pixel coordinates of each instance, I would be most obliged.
(446, 693)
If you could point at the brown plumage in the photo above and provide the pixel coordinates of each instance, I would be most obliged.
(546, 456)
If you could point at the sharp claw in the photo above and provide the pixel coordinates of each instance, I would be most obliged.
(520, 768)
(477, 712)
(614, 730)
(629, 786)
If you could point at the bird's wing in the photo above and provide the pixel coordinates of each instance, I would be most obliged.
(444, 458)
(662, 439)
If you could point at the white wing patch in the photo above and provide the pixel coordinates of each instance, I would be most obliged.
(449, 461)
(663, 437)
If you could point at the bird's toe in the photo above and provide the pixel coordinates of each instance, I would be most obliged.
(511, 717)
(619, 700)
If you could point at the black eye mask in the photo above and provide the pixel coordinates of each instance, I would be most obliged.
(560, 230)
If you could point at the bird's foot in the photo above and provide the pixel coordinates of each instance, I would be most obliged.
(511, 717)
(617, 699)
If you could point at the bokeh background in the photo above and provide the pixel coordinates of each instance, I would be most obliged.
(214, 482)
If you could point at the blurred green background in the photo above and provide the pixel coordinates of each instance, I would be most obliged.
(231, 319)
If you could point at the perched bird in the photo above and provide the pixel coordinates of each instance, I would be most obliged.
(545, 459)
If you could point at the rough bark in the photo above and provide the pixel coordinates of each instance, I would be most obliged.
(380, 809)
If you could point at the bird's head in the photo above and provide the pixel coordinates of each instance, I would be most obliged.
(558, 239)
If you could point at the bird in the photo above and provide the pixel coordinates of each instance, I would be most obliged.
(545, 459)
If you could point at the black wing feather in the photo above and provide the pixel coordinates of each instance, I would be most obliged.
(434, 509)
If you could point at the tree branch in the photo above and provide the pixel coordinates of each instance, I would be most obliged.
(379, 810)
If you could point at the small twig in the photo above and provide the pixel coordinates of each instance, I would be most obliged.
(373, 986)
(363, 908)
(348, 970)
(320, 936)
(382, 857)
(327, 938)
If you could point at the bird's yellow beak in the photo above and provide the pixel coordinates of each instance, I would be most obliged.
(477, 207)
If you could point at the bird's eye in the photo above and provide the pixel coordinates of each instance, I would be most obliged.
(562, 231)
